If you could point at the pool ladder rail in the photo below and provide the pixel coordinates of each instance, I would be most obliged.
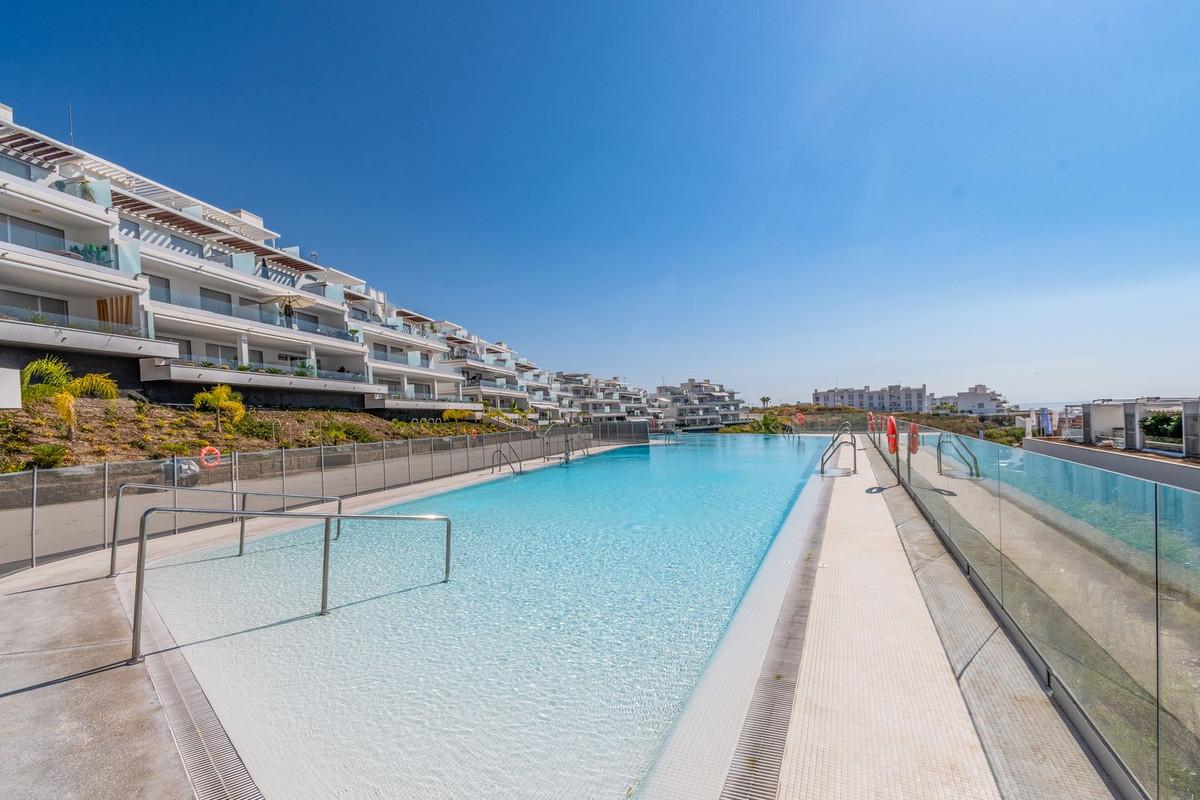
(842, 438)
(960, 450)
(236, 513)
(139, 597)
(501, 458)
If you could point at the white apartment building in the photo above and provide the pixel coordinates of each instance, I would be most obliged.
(978, 400)
(895, 397)
(602, 399)
(119, 273)
(701, 405)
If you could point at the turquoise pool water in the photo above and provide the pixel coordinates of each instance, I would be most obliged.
(584, 603)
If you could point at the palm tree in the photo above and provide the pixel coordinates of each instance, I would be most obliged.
(221, 399)
(764, 400)
(49, 378)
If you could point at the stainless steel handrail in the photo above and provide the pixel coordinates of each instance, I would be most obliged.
(139, 595)
(112, 566)
(836, 443)
(498, 455)
(963, 452)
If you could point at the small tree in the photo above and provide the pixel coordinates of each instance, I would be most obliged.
(64, 406)
(221, 399)
(764, 400)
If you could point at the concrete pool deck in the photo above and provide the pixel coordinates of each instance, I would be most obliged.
(903, 684)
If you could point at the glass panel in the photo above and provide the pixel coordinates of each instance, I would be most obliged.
(303, 474)
(135, 501)
(1079, 581)
(16, 496)
(218, 477)
(70, 506)
(339, 470)
(12, 166)
(370, 466)
(160, 288)
(422, 460)
(1179, 643)
(261, 472)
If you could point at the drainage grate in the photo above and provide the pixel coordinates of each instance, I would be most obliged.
(758, 759)
(209, 757)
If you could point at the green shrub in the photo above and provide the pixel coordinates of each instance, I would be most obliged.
(47, 456)
(457, 415)
(1163, 424)
(255, 427)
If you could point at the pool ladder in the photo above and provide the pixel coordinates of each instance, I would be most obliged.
(843, 437)
(959, 450)
(500, 458)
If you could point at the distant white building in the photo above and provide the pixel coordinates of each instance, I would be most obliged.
(978, 400)
(914, 399)
(700, 405)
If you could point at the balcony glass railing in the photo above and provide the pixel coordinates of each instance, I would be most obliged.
(100, 255)
(296, 370)
(254, 313)
(483, 383)
(66, 321)
(324, 330)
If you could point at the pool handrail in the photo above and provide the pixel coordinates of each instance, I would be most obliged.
(964, 454)
(500, 459)
(139, 588)
(837, 442)
(112, 566)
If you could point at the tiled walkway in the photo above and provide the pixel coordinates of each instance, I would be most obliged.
(878, 711)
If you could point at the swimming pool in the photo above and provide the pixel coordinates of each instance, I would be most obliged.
(584, 603)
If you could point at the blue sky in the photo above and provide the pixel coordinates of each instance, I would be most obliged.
(780, 196)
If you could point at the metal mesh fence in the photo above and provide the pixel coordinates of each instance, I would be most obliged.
(54, 513)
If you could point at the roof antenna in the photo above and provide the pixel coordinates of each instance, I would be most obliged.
(70, 126)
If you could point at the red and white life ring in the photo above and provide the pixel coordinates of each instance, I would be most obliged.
(210, 457)
(914, 437)
(870, 422)
(799, 418)
(893, 438)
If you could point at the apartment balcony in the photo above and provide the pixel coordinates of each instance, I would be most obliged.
(255, 375)
(41, 330)
(198, 308)
(395, 330)
(59, 202)
(477, 385)
(422, 366)
(477, 363)
(421, 401)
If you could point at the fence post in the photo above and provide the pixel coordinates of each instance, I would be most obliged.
(33, 522)
(409, 460)
(104, 512)
(468, 438)
(354, 458)
(322, 448)
(283, 477)
(432, 460)
(233, 483)
(383, 457)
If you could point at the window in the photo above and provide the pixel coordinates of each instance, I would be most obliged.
(185, 345)
(312, 319)
(216, 302)
(255, 356)
(160, 288)
(33, 302)
(226, 352)
(131, 229)
(31, 234)
(187, 246)
(14, 167)
(380, 350)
